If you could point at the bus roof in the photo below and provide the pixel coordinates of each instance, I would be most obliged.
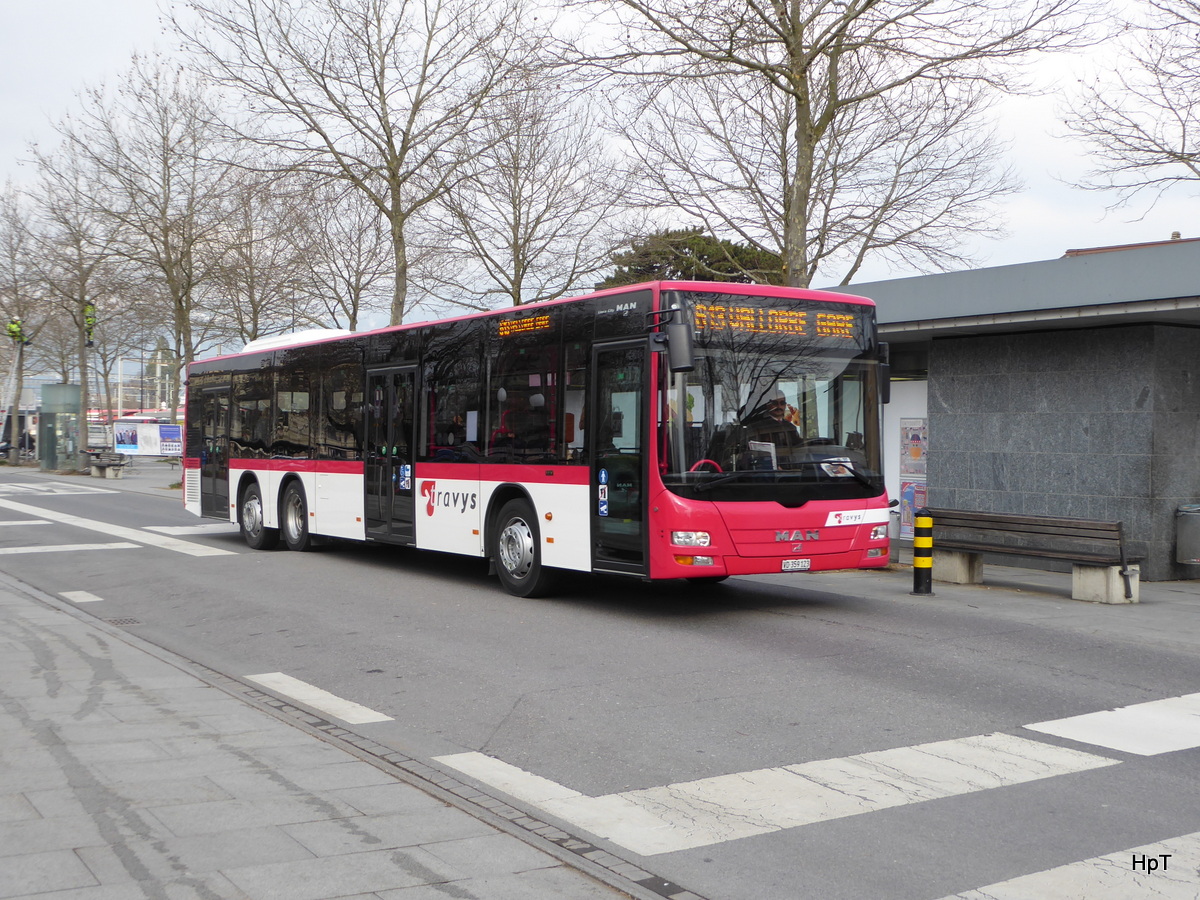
(321, 335)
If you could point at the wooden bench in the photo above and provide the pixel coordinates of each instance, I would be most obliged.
(108, 465)
(1100, 572)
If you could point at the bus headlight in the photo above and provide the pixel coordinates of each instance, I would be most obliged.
(879, 532)
(694, 560)
(690, 538)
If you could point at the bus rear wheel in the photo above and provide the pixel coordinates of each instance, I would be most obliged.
(250, 518)
(517, 551)
(293, 517)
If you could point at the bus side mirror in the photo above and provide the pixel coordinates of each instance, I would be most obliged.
(885, 372)
(680, 356)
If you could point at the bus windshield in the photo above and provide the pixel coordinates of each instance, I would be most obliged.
(782, 404)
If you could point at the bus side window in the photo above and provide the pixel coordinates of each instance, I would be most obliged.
(573, 394)
(452, 410)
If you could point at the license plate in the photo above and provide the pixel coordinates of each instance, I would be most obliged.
(797, 565)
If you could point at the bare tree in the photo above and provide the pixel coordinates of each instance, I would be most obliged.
(76, 259)
(776, 99)
(538, 208)
(262, 244)
(1141, 118)
(22, 299)
(152, 143)
(131, 320)
(347, 258)
(379, 94)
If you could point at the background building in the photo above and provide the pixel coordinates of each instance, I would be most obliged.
(1068, 387)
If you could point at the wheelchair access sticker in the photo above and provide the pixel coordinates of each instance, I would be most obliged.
(602, 492)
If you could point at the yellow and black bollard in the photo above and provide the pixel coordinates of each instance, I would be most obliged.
(923, 553)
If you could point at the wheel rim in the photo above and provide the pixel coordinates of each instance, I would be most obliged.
(252, 521)
(516, 548)
(293, 515)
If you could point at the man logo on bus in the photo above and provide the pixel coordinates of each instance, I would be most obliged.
(810, 535)
(459, 501)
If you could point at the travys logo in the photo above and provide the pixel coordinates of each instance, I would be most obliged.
(459, 501)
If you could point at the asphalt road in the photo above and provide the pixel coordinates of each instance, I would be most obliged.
(686, 707)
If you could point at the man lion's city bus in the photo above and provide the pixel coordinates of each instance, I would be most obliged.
(671, 430)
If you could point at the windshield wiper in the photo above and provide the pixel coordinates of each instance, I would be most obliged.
(858, 476)
(709, 485)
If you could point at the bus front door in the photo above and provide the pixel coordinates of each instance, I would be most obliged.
(388, 472)
(214, 454)
(617, 432)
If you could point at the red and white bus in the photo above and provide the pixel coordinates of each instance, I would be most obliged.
(665, 430)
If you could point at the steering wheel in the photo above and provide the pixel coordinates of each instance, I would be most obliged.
(709, 462)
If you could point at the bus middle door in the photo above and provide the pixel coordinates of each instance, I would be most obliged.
(214, 453)
(618, 437)
(391, 418)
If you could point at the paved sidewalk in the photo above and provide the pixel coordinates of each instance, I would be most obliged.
(124, 774)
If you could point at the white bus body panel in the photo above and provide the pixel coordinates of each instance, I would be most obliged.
(450, 518)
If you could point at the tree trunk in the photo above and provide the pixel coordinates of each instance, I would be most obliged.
(400, 257)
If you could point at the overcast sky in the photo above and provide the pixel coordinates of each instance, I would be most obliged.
(49, 49)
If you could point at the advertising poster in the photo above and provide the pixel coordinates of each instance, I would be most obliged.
(914, 448)
(914, 445)
(145, 439)
(912, 498)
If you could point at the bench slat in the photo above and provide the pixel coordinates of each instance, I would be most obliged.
(1108, 559)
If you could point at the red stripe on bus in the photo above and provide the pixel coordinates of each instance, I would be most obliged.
(548, 473)
(324, 466)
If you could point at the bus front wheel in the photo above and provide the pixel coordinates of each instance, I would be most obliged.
(256, 535)
(516, 549)
(293, 516)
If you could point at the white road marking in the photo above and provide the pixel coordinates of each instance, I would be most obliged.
(177, 530)
(726, 807)
(80, 597)
(1147, 729)
(130, 534)
(305, 693)
(1110, 877)
(52, 487)
(68, 548)
(27, 522)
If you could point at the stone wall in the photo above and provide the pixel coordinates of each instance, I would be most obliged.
(1097, 423)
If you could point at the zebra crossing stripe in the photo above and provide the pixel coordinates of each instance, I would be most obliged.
(318, 699)
(1165, 871)
(68, 548)
(726, 807)
(118, 531)
(1147, 729)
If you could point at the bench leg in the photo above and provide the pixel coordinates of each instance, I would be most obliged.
(114, 471)
(957, 566)
(1103, 584)
(97, 471)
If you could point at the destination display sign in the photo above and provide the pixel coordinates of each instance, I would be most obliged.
(715, 317)
(527, 325)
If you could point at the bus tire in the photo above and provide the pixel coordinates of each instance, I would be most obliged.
(250, 518)
(293, 518)
(517, 552)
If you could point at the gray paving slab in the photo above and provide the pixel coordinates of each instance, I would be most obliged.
(26, 874)
(389, 798)
(336, 876)
(427, 827)
(489, 855)
(542, 884)
(170, 858)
